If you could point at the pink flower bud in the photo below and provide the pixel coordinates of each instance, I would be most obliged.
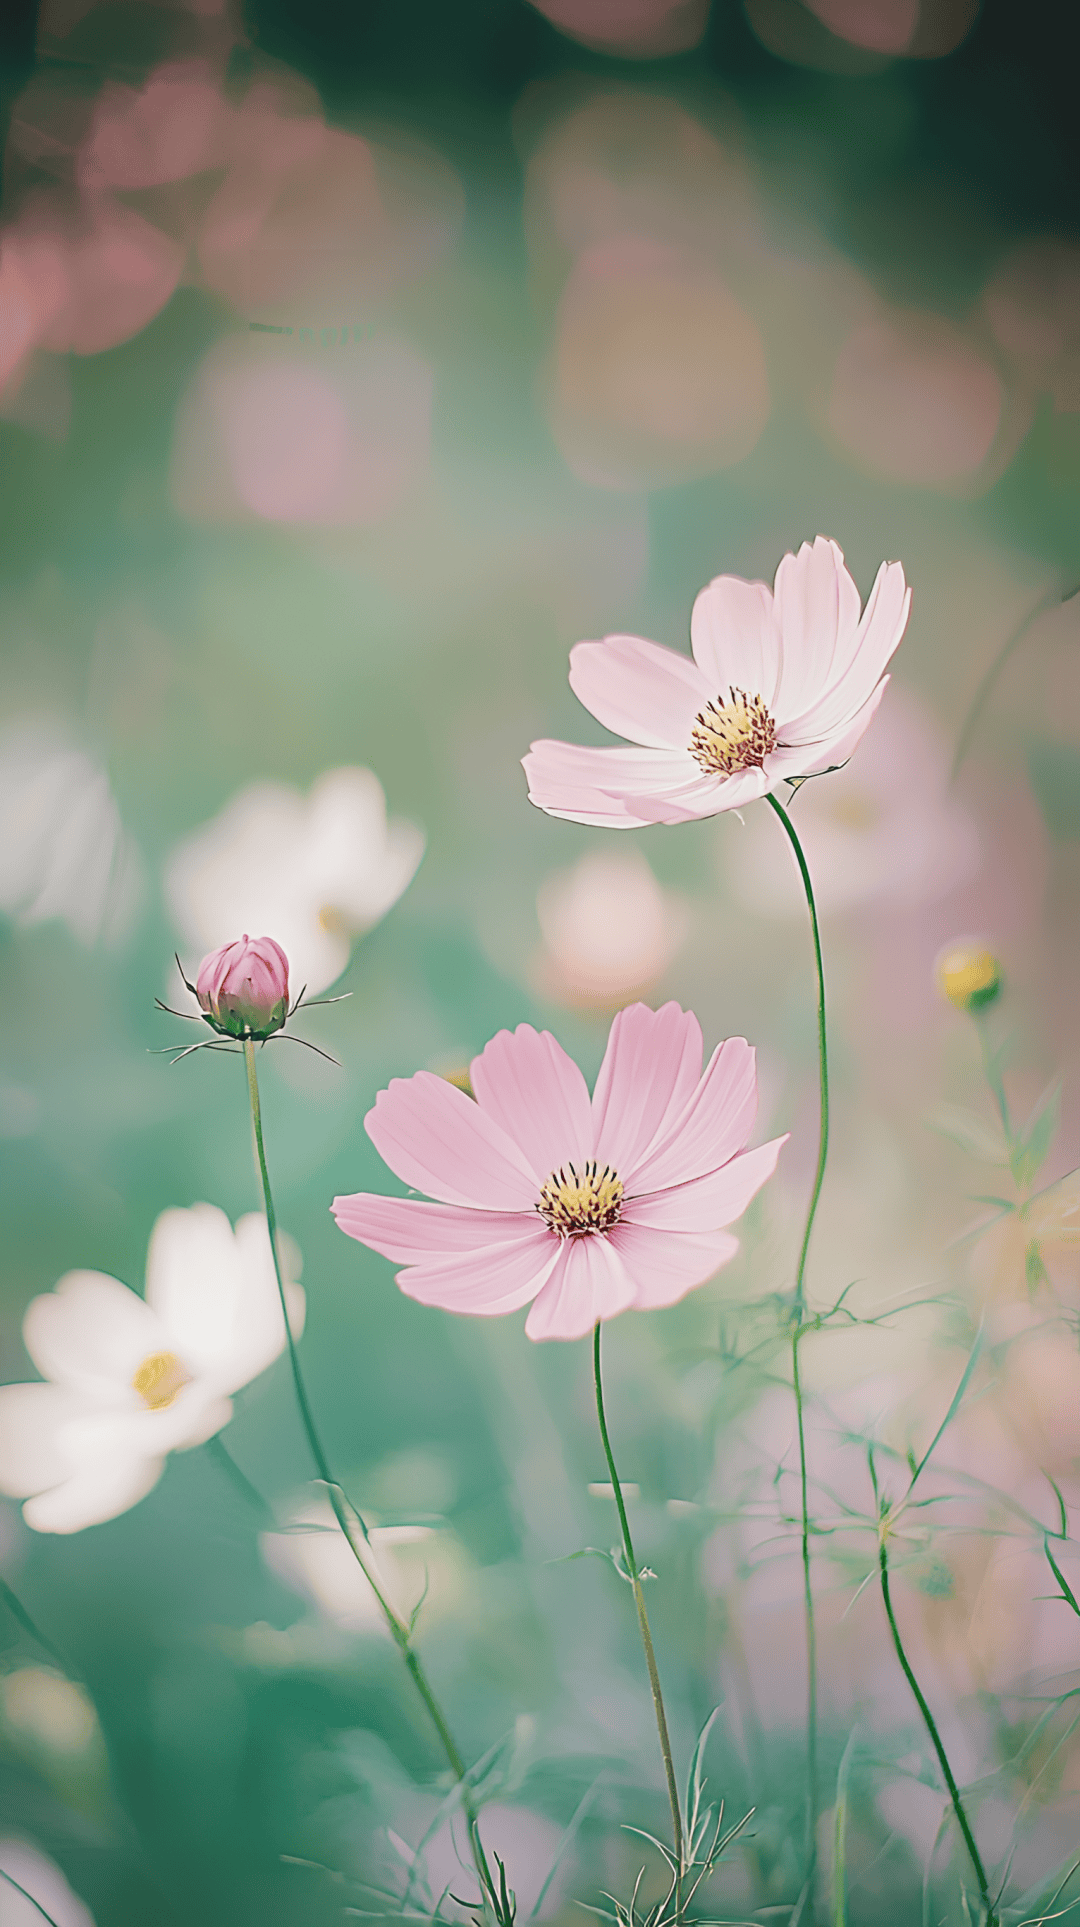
(244, 987)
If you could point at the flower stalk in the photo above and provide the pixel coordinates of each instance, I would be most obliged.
(634, 1575)
(990, 1917)
(799, 1328)
(350, 1520)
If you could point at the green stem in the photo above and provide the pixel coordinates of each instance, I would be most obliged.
(346, 1514)
(992, 1073)
(797, 1332)
(810, 1621)
(823, 1051)
(928, 1721)
(643, 1625)
(18, 1612)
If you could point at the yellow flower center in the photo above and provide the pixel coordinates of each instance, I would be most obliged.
(731, 736)
(159, 1378)
(573, 1203)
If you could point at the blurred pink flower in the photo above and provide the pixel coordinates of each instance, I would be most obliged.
(782, 685)
(587, 1208)
(636, 29)
(168, 129)
(914, 399)
(244, 987)
(609, 929)
(887, 829)
(1032, 302)
(658, 373)
(314, 225)
(264, 432)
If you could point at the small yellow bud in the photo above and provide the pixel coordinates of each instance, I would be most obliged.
(969, 975)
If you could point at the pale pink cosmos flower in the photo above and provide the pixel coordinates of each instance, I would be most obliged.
(782, 685)
(584, 1206)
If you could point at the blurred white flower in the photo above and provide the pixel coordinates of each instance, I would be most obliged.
(609, 929)
(44, 1707)
(63, 849)
(528, 1842)
(313, 871)
(41, 1879)
(413, 1561)
(129, 1380)
(884, 828)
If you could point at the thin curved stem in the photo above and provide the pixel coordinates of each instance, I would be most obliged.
(349, 1518)
(928, 1721)
(823, 1052)
(985, 688)
(799, 1327)
(22, 1617)
(643, 1625)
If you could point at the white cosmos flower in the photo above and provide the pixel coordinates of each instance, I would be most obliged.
(128, 1379)
(63, 849)
(315, 871)
(41, 1879)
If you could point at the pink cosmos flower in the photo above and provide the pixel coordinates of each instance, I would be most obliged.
(244, 987)
(585, 1206)
(781, 685)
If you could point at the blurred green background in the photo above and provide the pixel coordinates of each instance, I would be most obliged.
(635, 294)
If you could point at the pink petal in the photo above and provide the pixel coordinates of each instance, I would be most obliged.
(664, 1268)
(437, 1139)
(486, 1283)
(714, 1124)
(534, 1092)
(651, 1069)
(844, 694)
(639, 690)
(590, 785)
(816, 603)
(709, 1203)
(735, 637)
(590, 1283)
(411, 1232)
(831, 750)
(883, 622)
(705, 796)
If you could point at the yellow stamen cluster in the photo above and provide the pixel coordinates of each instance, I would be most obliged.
(573, 1203)
(732, 736)
(159, 1378)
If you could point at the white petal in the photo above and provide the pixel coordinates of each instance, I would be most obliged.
(91, 1334)
(101, 1489)
(216, 1294)
(192, 1280)
(40, 1876)
(33, 1453)
(193, 1416)
(357, 863)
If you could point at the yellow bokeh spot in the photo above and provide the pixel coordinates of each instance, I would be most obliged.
(159, 1378)
(969, 975)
